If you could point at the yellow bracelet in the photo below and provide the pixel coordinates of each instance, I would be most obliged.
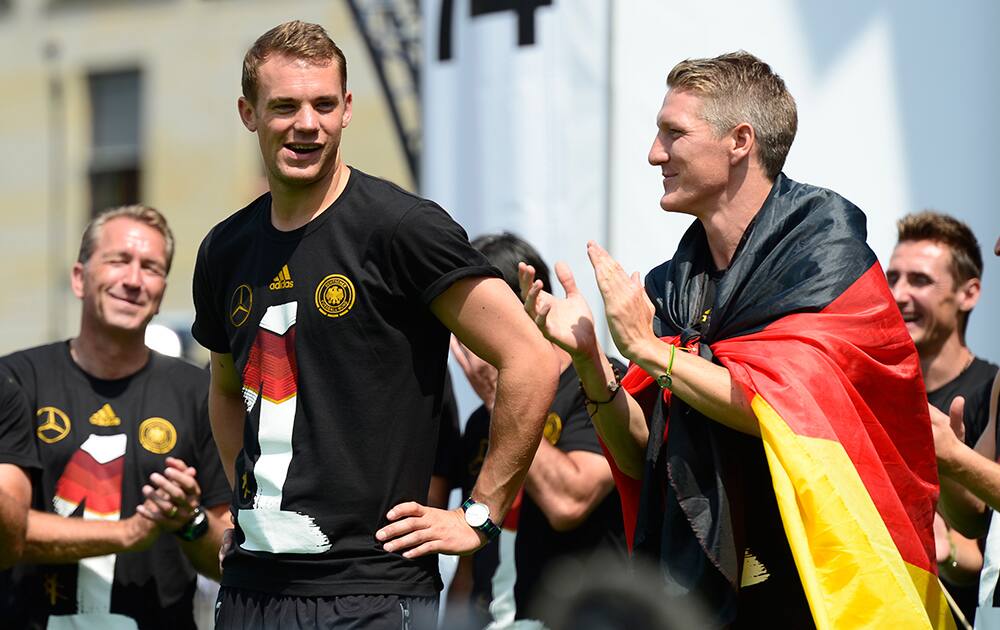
(665, 381)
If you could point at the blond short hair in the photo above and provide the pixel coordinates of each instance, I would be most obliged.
(739, 88)
(299, 40)
(142, 214)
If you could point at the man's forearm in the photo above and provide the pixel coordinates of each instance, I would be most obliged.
(967, 481)
(204, 552)
(567, 486)
(620, 423)
(226, 411)
(227, 415)
(54, 539)
(965, 563)
(13, 522)
(707, 387)
(524, 391)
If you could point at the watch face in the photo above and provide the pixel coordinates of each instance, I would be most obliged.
(477, 514)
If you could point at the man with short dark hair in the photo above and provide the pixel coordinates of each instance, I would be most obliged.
(128, 460)
(327, 305)
(970, 482)
(765, 446)
(935, 274)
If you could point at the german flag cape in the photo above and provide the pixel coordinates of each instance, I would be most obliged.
(804, 321)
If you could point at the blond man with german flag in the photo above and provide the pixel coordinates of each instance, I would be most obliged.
(772, 445)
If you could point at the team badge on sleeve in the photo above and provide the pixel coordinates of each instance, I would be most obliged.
(157, 435)
(335, 295)
(553, 428)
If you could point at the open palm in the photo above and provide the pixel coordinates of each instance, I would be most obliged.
(567, 322)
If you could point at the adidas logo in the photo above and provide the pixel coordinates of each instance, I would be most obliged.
(105, 417)
(282, 281)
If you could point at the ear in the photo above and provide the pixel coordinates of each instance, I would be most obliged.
(76, 280)
(348, 109)
(968, 294)
(744, 139)
(246, 113)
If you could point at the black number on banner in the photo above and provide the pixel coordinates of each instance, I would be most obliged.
(525, 10)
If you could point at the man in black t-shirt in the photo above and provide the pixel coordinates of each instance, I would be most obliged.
(327, 304)
(970, 483)
(569, 509)
(128, 461)
(935, 275)
(18, 458)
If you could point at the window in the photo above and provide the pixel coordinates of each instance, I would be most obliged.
(116, 132)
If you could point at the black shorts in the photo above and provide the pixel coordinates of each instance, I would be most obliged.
(237, 608)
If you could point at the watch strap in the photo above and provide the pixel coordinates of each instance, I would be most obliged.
(489, 528)
(194, 528)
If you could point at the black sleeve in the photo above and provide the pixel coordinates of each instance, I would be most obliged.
(17, 444)
(208, 328)
(17, 367)
(215, 487)
(447, 456)
(430, 251)
(977, 407)
(578, 433)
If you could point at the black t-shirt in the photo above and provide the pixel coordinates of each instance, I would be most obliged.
(538, 547)
(446, 459)
(974, 377)
(17, 446)
(342, 364)
(978, 374)
(99, 441)
(977, 409)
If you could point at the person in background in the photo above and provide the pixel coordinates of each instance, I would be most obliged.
(569, 508)
(131, 501)
(970, 482)
(935, 274)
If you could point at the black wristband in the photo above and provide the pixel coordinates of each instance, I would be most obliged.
(613, 388)
(194, 528)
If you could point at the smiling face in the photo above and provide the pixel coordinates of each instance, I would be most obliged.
(299, 115)
(693, 159)
(932, 303)
(123, 281)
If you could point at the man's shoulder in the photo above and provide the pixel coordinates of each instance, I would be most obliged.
(384, 201)
(43, 357)
(236, 226)
(385, 190)
(798, 195)
(980, 373)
